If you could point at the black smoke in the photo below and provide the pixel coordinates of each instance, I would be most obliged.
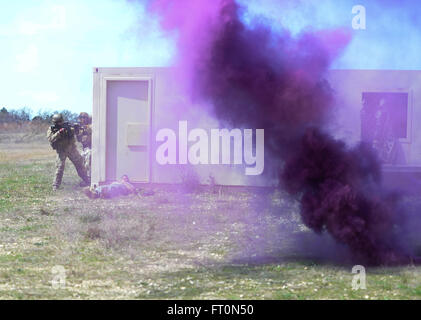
(256, 78)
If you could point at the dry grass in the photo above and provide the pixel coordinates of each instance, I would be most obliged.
(27, 127)
(24, 146)
(172, 245)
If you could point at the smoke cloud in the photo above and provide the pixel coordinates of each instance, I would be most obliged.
(256, 77)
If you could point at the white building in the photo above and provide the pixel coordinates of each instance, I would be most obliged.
(130, 105)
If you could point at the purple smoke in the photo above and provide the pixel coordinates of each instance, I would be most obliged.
(256, 78)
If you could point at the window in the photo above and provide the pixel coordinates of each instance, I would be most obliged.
(383, 122)
(384, 113)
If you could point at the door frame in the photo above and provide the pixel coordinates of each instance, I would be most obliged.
(99, 121)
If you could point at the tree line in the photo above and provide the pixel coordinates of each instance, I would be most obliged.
(25, 115)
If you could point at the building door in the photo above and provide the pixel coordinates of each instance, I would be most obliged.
(128, 129)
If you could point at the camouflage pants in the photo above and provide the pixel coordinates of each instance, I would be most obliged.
(73, 154)
(86, 154)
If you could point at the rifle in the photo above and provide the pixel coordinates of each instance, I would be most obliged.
(68, 132)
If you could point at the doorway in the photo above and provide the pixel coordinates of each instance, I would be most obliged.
(128, 114)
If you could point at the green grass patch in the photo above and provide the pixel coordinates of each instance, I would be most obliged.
(171, 245)
(24, 185)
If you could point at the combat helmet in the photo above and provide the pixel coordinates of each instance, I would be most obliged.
(84, 116)
(57, 118)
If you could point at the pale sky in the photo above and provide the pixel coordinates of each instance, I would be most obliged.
(48, 48)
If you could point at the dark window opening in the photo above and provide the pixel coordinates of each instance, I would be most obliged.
(383, 122)
(384, 113)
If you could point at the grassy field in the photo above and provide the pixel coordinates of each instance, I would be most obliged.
(173, 245)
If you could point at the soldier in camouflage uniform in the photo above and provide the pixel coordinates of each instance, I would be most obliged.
(122, 187)
(383, 140)
(61, 137)
(84, 136)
